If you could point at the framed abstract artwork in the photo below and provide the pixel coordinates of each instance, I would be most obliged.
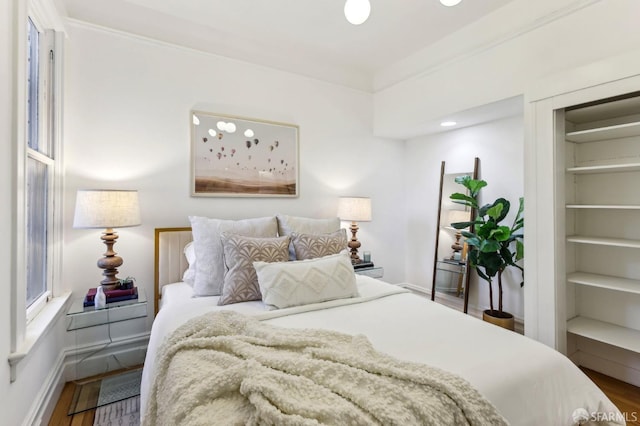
(242, 157)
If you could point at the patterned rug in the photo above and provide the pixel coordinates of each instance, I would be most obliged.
(96, 393)
(119, 387)
(122, 413)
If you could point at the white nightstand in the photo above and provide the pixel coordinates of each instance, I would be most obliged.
(79, 316)
(374, 272)
(92, 330)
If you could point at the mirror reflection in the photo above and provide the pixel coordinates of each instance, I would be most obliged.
(451, 272)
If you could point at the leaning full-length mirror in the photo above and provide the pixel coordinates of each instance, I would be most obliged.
(451, 270)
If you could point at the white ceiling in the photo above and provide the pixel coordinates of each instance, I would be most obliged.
(310, 37)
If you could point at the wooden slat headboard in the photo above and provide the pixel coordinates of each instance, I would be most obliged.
(169, 261)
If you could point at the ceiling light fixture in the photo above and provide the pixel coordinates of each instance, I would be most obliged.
(448, 123)
(357, 11)
(450, 3)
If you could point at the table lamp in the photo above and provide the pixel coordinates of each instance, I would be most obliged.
(107, 209)
(355, 209)
(456, 216)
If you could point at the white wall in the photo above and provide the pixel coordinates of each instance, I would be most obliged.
(499, 57)
(127, 104)
(499, 146)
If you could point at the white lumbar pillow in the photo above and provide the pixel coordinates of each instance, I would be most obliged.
(301, 282)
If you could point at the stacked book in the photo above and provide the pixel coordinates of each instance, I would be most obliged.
(116, 295)
(363, 265)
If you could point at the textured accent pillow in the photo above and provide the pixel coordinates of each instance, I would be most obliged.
(210, 268)
(240, 281)
(190, 274)
(310, 246)
(287, 225)
(306, 281)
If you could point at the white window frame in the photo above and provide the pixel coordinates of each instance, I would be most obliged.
(46, 132)
(29, 325)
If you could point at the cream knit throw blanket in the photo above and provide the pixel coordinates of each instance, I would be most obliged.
(229, 369)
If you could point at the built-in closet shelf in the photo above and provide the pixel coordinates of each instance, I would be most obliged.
(609, 168)
(623, 337)
(604, 281)
(603, 206)
(597, 150)
(605, 133)
(614, 242)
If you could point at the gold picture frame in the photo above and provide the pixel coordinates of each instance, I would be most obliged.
(243, 157)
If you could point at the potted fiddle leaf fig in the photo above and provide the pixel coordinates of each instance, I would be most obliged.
(493, 246)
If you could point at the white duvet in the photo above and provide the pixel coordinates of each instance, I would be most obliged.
(528, 382)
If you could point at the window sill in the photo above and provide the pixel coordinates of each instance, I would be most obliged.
(37, 329)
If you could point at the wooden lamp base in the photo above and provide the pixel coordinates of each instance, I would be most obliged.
(354, 244)
(110, 262)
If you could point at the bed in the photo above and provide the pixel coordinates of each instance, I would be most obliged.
(527, 382)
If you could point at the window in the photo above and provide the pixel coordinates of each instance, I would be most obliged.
(35, 30)
(40, 166)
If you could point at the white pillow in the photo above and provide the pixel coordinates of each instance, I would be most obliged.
(210, 268)
(287, 225)
(301, 282)
(190, 274)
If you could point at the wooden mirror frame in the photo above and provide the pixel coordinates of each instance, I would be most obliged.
(476, 165)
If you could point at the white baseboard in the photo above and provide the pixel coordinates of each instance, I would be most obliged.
(99, 358)
(609, 360)
(45, 401)
(79, 362)
(415, 289)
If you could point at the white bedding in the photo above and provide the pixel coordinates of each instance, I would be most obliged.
(529, 383)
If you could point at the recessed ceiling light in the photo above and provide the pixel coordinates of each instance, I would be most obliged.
(448, 123)
(450, 2)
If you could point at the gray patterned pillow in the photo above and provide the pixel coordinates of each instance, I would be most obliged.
(240, 280)
(312, 246)
(287, 225)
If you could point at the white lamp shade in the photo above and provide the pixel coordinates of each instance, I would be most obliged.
(97, 208)
(458, 216)
(356, 209)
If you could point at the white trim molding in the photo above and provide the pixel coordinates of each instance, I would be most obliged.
(47, 397)
(477, 38)
(26, 333)
(132, 348)
(101, 357)
(37, 329)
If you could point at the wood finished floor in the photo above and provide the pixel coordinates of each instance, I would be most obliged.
(60, 417)
(625, 396)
